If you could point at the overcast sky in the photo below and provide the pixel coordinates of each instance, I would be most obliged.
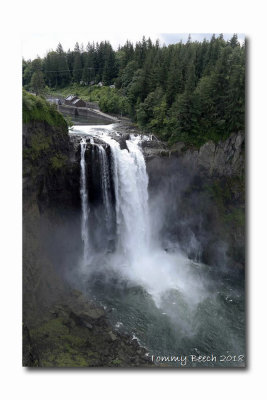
(38, 44)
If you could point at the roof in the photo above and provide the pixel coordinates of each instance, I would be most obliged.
(76, 101)
(71, 97)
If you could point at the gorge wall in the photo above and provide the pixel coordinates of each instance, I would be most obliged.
(205, 206)
(61, 328)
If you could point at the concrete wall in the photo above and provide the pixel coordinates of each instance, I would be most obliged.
(95, 115)
(70, 110)
(90, 104)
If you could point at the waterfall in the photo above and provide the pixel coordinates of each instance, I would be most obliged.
(134, 254)
(129, 181)
(131, 193)
(85, 207)
(106, 187)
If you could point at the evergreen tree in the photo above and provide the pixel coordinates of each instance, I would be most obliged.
(37, 82)
(174, 81)
(77, 64)
(64, 76)
(235, 101)
(234, 41)
(109, 69)
(26, 73)
(192, 92)
(51, 69)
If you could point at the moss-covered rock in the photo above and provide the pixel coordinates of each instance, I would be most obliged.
(36, 108)
(67, 339)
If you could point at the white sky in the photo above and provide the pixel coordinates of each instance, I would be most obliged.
(38, 44)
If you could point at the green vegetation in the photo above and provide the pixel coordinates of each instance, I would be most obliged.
(110, 100)
(91, 93)
(68, 120)
(228, 195)
(60, 348)
(45, 148)
(62, 342)
(192, 92)
(58, 161)
(40, 145)
(116, 362)
(37, 82)
(36, 108)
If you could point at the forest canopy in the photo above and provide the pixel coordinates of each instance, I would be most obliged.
(190, 92)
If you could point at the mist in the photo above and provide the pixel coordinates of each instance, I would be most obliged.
(133, 247)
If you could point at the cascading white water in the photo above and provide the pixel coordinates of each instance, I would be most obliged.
(138, 256)
(131, 183)
(92, 142)
(106, 187)
(85, 206)
(143, 260)
(142, 186)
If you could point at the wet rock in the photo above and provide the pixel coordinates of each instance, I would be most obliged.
(225, 158)
(112, 336)
(205, 207)
(73, 342)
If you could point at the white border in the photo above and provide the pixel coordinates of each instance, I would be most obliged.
(137, 16)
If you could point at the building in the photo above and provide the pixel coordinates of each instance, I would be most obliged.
(78, 103)
(70, 98)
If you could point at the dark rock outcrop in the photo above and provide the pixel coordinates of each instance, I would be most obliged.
(76, 334)
(48, 172)
(226, 158)
(61, 328)
(205, 207)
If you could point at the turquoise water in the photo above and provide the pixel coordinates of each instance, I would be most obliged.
(213, 327)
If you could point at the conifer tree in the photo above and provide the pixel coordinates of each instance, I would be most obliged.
(37, 82)
(192, 92)
(62, 67)
(77, 64)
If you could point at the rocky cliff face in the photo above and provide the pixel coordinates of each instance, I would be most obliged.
(61, 328)
(223, 159)
(205, 207)
(45, 172)
(49, 174)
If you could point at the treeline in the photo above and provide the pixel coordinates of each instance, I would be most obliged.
(188, 92)
(84, 66)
